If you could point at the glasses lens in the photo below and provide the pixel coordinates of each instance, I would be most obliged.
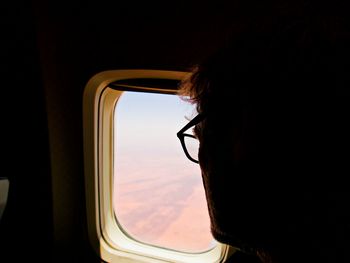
(192, 146)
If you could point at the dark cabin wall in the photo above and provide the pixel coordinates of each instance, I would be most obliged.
(79, 39)
(26, 225)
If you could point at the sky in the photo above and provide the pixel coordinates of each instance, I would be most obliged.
(158, 193)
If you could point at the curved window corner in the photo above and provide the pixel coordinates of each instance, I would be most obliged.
(145, 200)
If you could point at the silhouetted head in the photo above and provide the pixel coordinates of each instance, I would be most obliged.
(274, 141)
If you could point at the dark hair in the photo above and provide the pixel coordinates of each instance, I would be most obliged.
(300, 52)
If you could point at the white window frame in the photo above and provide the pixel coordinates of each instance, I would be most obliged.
(106, 236)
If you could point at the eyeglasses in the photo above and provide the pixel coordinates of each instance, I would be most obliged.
(189, 142)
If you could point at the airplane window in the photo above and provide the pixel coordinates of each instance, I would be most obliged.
(158, 196)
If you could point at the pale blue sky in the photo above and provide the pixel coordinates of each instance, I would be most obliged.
(142, 117)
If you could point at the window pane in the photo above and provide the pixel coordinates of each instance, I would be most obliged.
(158, 194)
